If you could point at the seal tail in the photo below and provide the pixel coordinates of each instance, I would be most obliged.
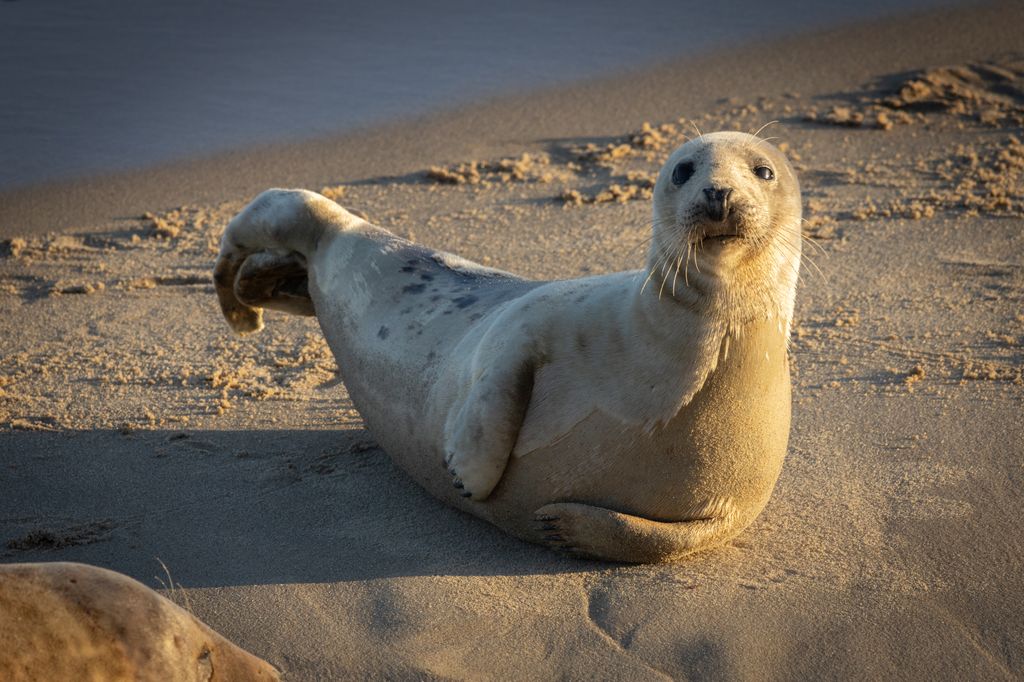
(598, 533)
(264, 251)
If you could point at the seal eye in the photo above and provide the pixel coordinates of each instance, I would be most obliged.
(681, 173)
(764, 172)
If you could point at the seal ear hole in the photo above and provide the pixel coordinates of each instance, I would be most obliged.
(764, 172)
(682, 172)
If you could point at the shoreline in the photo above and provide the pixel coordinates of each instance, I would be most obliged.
(595, 107)
(125, 85)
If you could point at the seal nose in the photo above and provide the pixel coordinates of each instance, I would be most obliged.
(718, 202)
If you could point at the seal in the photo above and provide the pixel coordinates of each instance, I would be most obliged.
(636, 417)
(66, 621)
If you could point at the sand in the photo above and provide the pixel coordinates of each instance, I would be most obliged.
(135, 428)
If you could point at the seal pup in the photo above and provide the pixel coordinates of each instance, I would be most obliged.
(66, 621)
(637, 416)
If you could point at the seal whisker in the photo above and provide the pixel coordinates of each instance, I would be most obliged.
(643, 242)
(700, 135)
(686, 269)
(822, 277)
(664, 278)
(795, 251)
(654, 269)
(795, 262)
(817, 270)
(811, 242)
(764, 140)
(769, 123)
(675, 277)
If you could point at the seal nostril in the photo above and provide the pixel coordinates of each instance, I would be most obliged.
(718, 202)
(718, 194)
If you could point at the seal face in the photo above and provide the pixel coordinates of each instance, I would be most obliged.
(637, 416)
(727, 210)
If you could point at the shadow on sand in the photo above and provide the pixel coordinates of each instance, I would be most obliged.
(224, 508)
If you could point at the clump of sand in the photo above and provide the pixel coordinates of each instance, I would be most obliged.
(991, 93)
(624, 169)
(637, 185)
(333, 192)
(524, 168)
(189, 227)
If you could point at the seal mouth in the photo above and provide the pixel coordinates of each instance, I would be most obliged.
(718, 234)
(721, 239)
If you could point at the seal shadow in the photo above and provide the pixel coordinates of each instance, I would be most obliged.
(229, 508)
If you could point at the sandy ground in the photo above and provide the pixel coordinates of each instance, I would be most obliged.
(137, 429)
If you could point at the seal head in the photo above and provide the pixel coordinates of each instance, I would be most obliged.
(727, 223)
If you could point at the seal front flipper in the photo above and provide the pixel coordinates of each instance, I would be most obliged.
(481, 435)
(597, 533)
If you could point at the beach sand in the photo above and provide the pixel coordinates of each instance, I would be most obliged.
(138, 430)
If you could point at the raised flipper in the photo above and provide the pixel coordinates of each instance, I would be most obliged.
(597, 533)
(480, 437)
(262, 280)
(242, 318)
(267, 280)
(264, 251)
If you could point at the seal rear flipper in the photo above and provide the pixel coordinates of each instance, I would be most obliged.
(594, 532)
(242, 318)
(247, 284)
(264, 251)
(268, 280)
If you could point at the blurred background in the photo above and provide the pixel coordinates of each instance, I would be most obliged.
(122, 84)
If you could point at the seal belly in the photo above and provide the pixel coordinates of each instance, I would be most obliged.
(728, 443)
